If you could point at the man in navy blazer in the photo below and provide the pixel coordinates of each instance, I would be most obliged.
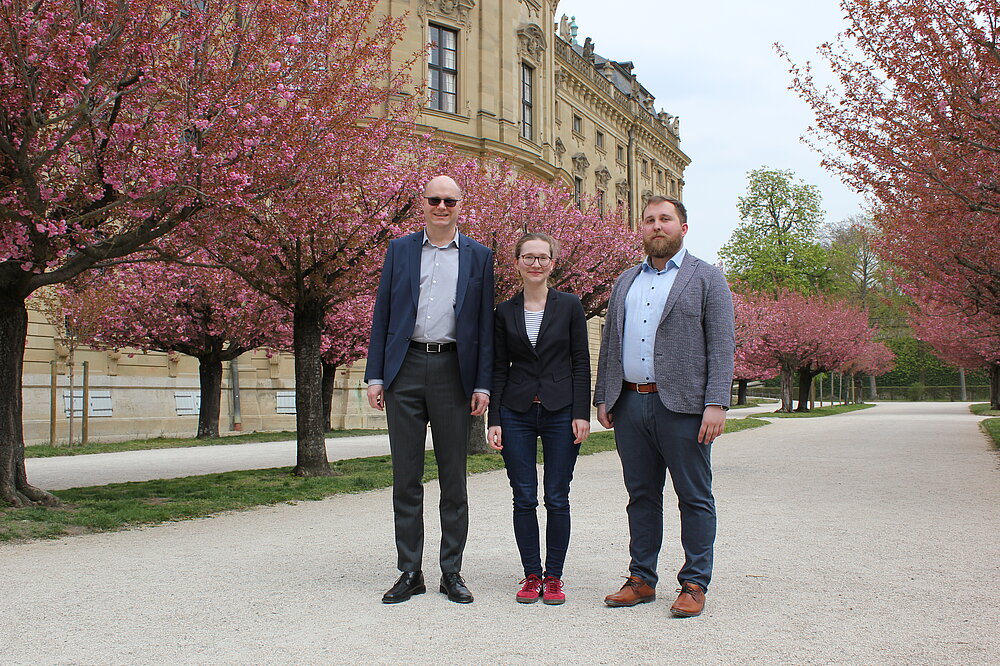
(430, 361)
(664, 380)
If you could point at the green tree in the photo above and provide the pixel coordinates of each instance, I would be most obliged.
(777, 245)
(858, 275)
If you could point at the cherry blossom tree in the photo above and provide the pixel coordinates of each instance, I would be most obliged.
(966, 341)
(346, 330)
(209, 314)
(501, 205)
(806, 335)
(749, 335)
(912, 122)
(120, 121)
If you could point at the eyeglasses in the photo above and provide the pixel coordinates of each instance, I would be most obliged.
(434, 202)
(529, 259)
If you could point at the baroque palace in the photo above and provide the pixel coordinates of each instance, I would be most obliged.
(505, 78)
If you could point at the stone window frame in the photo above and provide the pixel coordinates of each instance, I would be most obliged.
(442, 68)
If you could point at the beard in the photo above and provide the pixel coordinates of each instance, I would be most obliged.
(662, 248)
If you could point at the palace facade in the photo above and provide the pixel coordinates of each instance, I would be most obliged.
(505, 78)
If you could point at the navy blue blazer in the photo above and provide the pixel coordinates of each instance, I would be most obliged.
(556, 369)
(396, 311)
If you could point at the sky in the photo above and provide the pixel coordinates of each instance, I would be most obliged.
(713, 64)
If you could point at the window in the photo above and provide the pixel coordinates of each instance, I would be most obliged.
(284, 402)
(577, 124)
(600, 202)
(659, 177)
(620, 153)
(645, 167)
(600, 139)
(442, 71)
(187, 403)
(577, 189)
(100, 403)
(527, 95)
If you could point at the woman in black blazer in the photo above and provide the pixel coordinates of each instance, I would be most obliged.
(541, 388)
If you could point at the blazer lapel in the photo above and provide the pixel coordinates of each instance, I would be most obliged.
(622, 296)
(551, 305)
(464, 261)
(413, 251)
(522, 326)
(684, 275)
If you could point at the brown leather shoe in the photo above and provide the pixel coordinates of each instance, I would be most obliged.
(690, 602)
(634, 591)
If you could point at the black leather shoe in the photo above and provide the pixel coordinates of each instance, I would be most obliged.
(410, 583)
(453, 585)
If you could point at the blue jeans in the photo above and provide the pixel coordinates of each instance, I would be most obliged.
(521, 431)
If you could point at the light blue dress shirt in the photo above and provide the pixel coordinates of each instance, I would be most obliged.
(644, 305)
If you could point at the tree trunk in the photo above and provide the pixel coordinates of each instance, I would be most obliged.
(14, 487)
(995, 386)
(805, 382)
(872, 391)
(210, 378)
(477, 436)
(329, 379)
(786, 390)
(741, 391)
(306, 334)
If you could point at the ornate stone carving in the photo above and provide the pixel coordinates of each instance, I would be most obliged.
(621, 188)
(455, 9)
(530, 41)
(603, 177)
(561, 78)
(588, 49)
(581, 163)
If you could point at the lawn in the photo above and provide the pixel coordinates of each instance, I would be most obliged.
(818, 411)
(46, 451)
(122, 505)
(983, 409)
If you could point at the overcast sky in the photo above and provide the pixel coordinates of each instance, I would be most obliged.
(712, 63)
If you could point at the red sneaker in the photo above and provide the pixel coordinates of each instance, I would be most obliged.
(531, 590)
(552, 591)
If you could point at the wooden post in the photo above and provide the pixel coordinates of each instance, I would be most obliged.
(85, 434)
(54, 407)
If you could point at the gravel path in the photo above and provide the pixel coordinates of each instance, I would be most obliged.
(865, 538)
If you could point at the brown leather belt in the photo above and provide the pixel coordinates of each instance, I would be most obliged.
(648, 387)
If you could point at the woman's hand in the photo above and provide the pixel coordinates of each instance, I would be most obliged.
(581, 430)
(494, 437)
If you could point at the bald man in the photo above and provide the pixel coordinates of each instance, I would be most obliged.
(429, 361)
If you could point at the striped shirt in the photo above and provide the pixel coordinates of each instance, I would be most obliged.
(533, 322)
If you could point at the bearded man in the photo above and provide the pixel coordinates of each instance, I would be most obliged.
(664, 381)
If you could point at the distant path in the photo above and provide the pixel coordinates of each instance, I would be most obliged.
(866, 538)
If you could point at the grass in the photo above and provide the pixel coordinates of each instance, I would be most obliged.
(992, 428)
(983, 409)
(46, 451)
(753, 402)
(818, 411)
(121, 505)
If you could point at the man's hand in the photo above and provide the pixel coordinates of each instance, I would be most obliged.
(581, 430)
(376, 397)
(713, 422)
(494, 437)
(604, 417)
(480, 401)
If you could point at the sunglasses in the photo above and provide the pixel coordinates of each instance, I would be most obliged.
(434, 202)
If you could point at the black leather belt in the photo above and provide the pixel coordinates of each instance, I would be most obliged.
(433, 347)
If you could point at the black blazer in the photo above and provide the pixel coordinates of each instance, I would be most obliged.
(557, 369)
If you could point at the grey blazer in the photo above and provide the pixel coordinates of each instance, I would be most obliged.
(695, 343)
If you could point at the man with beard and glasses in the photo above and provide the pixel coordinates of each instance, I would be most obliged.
(664, 380)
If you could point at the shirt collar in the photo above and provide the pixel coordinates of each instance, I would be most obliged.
(673, 262)
(453, 241)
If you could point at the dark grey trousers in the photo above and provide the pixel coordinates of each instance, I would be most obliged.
(653, 440)
(428, 389)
